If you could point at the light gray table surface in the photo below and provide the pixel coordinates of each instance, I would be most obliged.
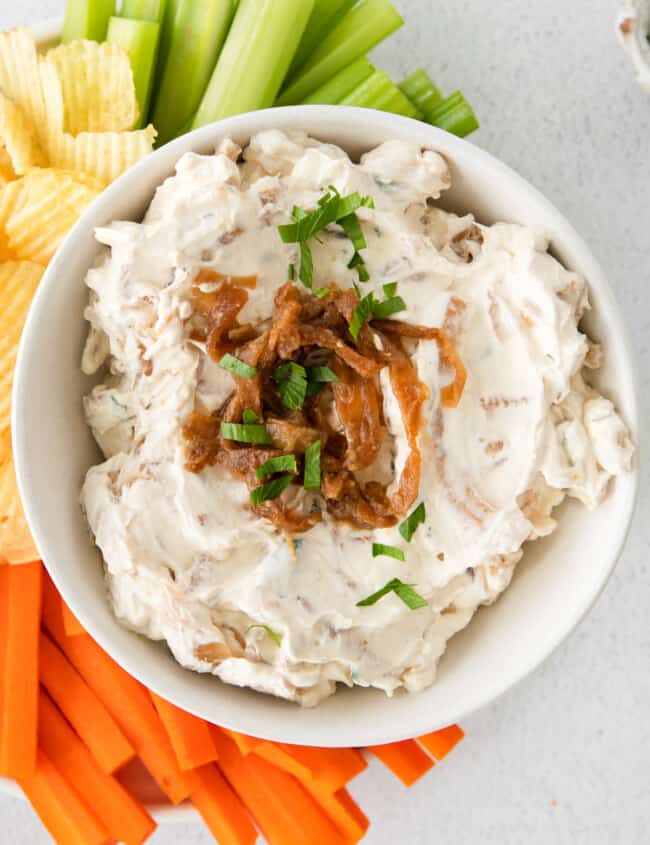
(565, 756)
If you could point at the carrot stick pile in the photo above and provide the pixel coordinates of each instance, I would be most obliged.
(71, 719)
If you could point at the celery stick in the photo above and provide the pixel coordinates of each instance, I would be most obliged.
(144, 10)
(343, 83)
(258, 51)
(380, 92)
(455, 115)
(326, 15)
(421, 91)
(198, 34)
(140, 40)
(87, 19)
(359, 31)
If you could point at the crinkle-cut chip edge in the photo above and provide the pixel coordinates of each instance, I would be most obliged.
(19, 138)
(20, 78)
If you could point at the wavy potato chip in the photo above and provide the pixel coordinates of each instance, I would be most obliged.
(97, 87)
(16, 544)
(20, 78)
(19, 140)
(102, 155)
(50, 204)
(11, 198)
(18, 283)
(7, 172)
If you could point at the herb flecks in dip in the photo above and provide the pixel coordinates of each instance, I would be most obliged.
(195, 553)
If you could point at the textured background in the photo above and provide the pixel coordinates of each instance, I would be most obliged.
(563, 758)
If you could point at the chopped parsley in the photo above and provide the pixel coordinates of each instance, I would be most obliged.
(274, 635)
(369, 309)
(239, 368)
(312, 466)
(378, 550)
(321, 374)
(321, 293)
(281, 463)
(246, 433)
(249, 417)
(270, 490)
(291, 379)
(405, 592)
(410, 525)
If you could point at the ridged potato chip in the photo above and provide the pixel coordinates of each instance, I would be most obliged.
(51, 203)
(97, 87)
(16, 544)
(20, 78)
(18, 137)
(102, 155)
(7, 172)
(11, 198)
(18, 283)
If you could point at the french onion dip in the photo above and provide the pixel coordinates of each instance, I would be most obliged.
(332, 414)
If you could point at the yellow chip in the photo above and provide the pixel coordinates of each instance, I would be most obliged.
(20, 78)
(102, 155)
(18, 283)
(20, 143)
(7, 172)
(11, 198)
(51, 204)
(52, 129)
(97, 86)
(16, 544)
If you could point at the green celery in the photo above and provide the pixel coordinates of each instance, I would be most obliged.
(198, 33)
(167, 29)
(326, 15)
(343, 83)
(87, 19)
(262, 42)
(358, 32)
(454, 115)
(144, 10)
(380, 92)
(421, 91)
(139, 39)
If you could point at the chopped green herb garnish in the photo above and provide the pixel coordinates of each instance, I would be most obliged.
(321, 374)
(321, 293)
(361, 314)
(239, 368)
(291, 272)
(270, 490)
(379, 550)
(281, 463)
(410, 525)
(306, 265)
(246, 433)
(353, 230)
(382, 310)
(405, 592)
(277, 638)
(357, 263)
(291, 379)
(390, 290)
(312, 467)
(249, 417)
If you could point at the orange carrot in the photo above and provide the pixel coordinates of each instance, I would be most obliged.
(4, 623)
(19, 681)
(129, 704)
(331, 768)
(71, 624)
(440, 743)
(190, 737)
(220, 808)
(343, 810)
(59, 807)
(405, 759)
(53, 608)
(246, 744)
(125, 819)
(275, 754)
(286, 814)
(83, 709)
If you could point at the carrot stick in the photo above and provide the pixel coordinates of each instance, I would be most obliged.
(275, 754)
(83, 709)
(286, 814)
(343, 810)
(125, 819)
(331, 768)
(130, 706)
(246, 744)
(70, 622)
(440, 743)
(59, 807)
(52, 609)
(405, 759)
(220, 808)
(190, 737)
(4, 623)
(19, 681)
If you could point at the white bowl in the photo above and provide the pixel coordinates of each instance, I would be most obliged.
(556, 583)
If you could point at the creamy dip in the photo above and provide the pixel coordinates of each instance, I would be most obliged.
(189, 562)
